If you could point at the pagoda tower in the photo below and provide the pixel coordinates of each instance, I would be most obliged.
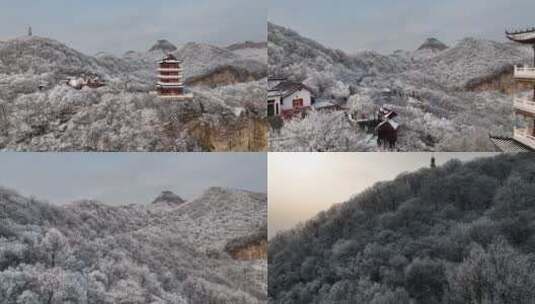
(524, 107)
(170, 85)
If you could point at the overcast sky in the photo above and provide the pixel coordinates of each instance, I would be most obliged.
(126, 178)
(121, 25)
(387, 25)
(300, 185)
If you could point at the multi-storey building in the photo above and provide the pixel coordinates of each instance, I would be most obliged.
(524, 104)
(170, 84)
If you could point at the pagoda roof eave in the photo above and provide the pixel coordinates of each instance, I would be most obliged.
(169, 61)
(509, 144)
(526, 36)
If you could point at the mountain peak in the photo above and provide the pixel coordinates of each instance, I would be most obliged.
(168, 198)
(163, 45)
(216, 191)
(433, 44)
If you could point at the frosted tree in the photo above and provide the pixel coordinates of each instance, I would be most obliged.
(28, 297)
(499, 275)
(320, 131)
(55, 247)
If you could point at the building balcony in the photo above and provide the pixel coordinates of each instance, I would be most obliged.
(188, 96)
(525, 105)
(525, 136)
(170, 69)
(170, 84)
(525, 73)
(177, 77)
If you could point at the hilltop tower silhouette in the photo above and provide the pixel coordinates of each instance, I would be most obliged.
(30, 31)
(433, 162)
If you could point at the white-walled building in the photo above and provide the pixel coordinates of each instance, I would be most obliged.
(523, 139)
(286, 98)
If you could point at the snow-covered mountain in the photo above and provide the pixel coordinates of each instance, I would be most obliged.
(250, 50)
(164, 46)
(471, 59)
(37, 55)
(433, 45)
(247, 45)
(168, 199)
(135, 254)
(201, 59)
(124, 115)
(432, 87)
(430, 48)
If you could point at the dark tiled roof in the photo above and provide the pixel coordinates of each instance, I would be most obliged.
(288, 87)
(170, 57)
(275, 78)
(507, 144)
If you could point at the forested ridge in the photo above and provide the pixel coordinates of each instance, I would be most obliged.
(459, 233)
(170, 251)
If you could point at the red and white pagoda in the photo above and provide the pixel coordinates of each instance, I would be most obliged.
(170, 84)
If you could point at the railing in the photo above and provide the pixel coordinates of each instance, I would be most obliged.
(525, 105)
(188, 96)
(524, 72)
(169, 77)
(170, 69)
(525, 136)
(170, 84)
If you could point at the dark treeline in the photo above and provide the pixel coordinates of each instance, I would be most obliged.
(460, 233)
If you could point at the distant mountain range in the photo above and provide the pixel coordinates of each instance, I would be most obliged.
(433, 44)
(456, 66)
(42, 55)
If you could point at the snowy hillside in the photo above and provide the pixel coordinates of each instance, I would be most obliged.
(460, 233)
(430, 48)
(92, 253)
(168, 199)
(471, 59)
(433, 45)
(201, 59)
(41, 55)
(250, 50)
(164, 46)
(429, 88)
(39, 112)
